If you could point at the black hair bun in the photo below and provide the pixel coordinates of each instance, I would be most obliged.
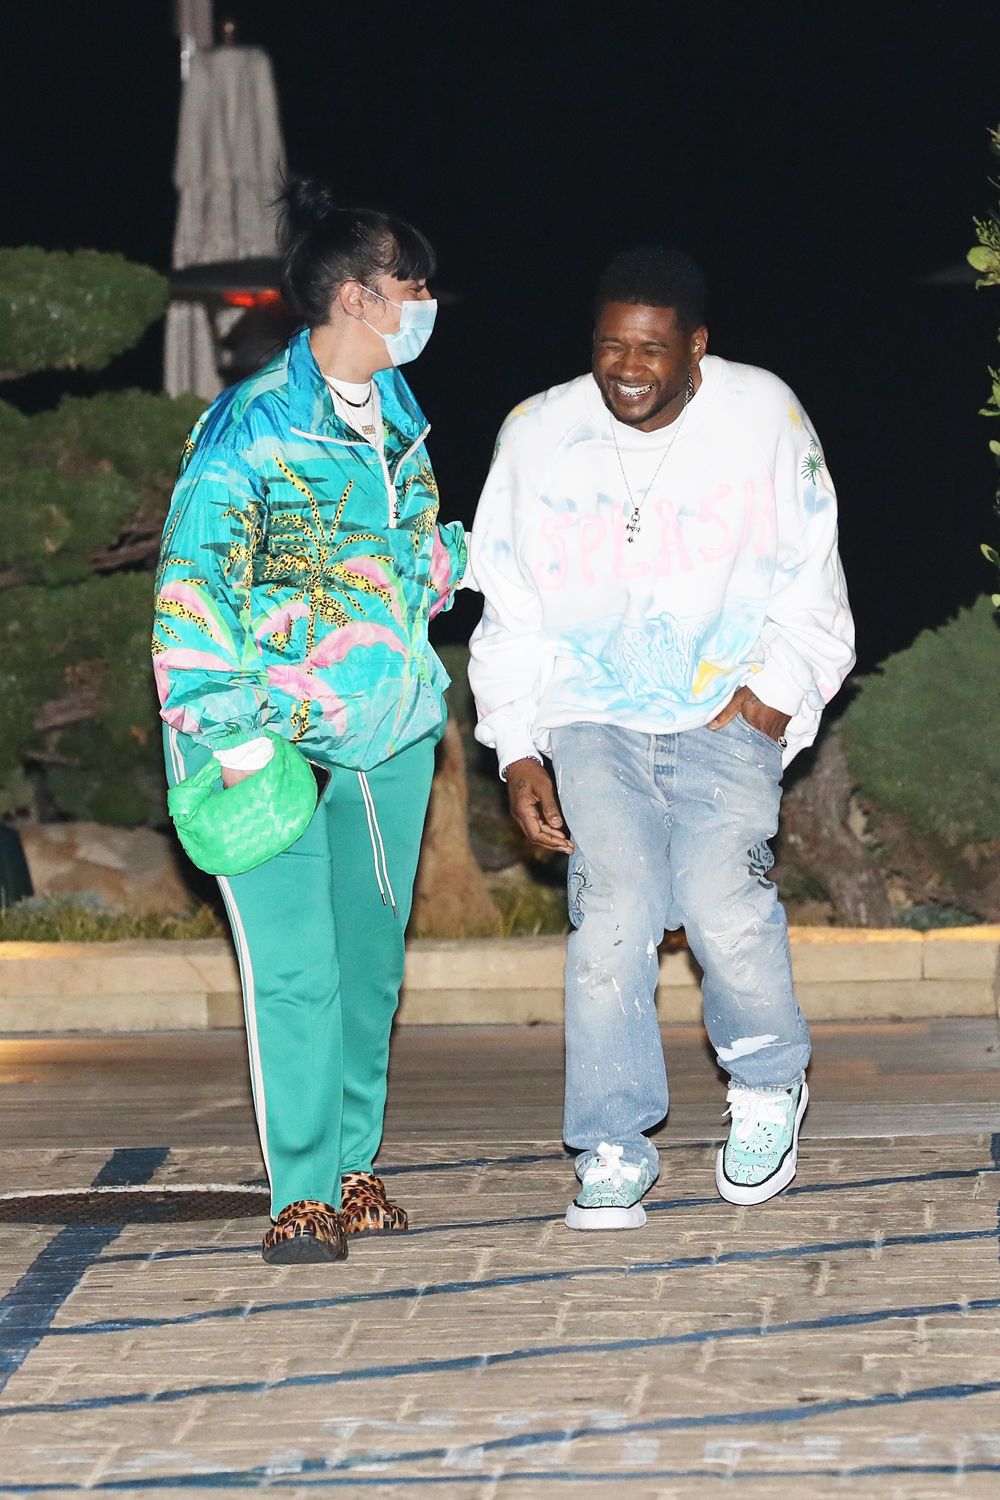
(305, 203)
(323, 245)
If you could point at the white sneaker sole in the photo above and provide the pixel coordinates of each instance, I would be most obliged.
(760, 1192)
(633, 1217)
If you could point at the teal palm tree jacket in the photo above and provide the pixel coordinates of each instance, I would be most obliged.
(299, 570)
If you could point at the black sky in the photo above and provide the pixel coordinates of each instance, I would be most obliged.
(818, 159)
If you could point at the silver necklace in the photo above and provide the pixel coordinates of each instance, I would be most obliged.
(632, 528)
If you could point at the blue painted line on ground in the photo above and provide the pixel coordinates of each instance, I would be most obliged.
(499, 1161)
(758, 1417)
(669, 1205)
(470, 1161)
(311, 1475)
(995, 1153)
(27, 1310)
(761, 1416)
(481, 1362)
(566, 1155)
(651, 1207)
(534, 1278)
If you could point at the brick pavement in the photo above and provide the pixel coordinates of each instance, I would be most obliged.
(840, 1340)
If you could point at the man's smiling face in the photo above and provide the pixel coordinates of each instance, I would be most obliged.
(642, 361)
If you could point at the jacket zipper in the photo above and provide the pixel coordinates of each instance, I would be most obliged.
(392, 498)
(390, 486)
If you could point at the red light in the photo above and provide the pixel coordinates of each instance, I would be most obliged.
(252, 299)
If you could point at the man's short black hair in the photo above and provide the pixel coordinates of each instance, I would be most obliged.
(655, 276)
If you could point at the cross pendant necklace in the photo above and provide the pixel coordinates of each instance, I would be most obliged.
(634, 519)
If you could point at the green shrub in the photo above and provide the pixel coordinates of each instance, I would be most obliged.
(83, 487)
(64, 309)
(136, 433)
(86, 643)
(50, 522)
(74, 479)
(63, 919)
(73, 482)
(930, 916)
(534, 912)
(922, 735)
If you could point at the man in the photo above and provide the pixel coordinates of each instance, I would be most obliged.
(666, 617)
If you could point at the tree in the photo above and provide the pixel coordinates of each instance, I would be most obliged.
(984, 257)
(84, 490)
(72, 310)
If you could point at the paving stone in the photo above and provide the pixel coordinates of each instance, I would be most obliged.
(650, 1364)
(827, 1343)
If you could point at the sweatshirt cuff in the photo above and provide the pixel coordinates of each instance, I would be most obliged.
(254, 755)
(514, 743)
(777, 688)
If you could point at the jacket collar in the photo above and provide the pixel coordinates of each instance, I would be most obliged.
(311, 410)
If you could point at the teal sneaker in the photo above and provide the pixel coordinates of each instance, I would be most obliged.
(760, 1157)
(610, 1193)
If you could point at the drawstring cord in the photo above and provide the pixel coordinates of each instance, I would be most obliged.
(378, 849)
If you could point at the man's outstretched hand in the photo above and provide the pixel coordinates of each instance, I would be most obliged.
(534, 807)
(768, 720)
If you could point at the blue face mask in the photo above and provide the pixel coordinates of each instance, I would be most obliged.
(416, 324)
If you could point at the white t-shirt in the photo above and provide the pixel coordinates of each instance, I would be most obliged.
(359, 406)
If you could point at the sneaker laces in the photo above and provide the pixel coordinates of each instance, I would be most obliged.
(609, 1167)
(751, 1110)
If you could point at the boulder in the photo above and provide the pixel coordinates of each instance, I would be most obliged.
(131, 868)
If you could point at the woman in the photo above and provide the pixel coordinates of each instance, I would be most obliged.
(301, 563)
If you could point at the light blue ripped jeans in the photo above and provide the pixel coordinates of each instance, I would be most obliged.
(670, 831)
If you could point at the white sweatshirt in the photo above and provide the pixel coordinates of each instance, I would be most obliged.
(734, 576)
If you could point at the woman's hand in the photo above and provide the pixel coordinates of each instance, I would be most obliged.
(230, 777)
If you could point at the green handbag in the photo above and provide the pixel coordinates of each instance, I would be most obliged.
(235, 830)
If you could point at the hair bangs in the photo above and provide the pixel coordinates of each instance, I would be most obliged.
(414, 258)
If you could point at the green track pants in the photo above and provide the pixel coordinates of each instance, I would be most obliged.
(319, 937)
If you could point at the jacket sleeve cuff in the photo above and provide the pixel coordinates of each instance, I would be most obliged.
(232, 739)
(776, 687)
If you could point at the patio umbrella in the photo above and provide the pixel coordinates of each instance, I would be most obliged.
(230, 157)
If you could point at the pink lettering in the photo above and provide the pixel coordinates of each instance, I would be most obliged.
(671, 540)
(592, 533)
(762, 522)
(548, 576)
(621, 568)
(706, 512)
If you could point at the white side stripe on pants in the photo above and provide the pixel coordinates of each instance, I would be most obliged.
(250, 1009)
(246, 974)
(378, 849)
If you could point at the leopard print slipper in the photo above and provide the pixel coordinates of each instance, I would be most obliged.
(364, 1207)
(305, 1232)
